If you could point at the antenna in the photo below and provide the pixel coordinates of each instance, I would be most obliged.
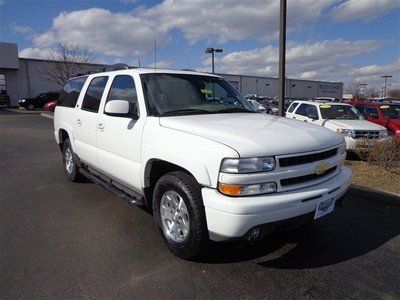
(155, 69)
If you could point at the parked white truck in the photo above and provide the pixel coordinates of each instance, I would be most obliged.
(193, 150)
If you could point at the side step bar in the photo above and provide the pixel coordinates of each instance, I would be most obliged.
(121, 194)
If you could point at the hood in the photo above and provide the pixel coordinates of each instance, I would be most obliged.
(255, 134)
(353, 124)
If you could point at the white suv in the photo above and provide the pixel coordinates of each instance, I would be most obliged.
(193, 150)
(341, 118)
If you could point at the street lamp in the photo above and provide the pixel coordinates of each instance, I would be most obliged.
(212, 51)
(386, 77)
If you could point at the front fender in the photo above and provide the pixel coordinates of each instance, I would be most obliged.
(183, 160)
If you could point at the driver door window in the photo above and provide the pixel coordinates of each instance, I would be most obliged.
(123, 88)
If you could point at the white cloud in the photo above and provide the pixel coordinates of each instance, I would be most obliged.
(233, 20)
(30, 52)
(132, 33)
(114, 34)
(363, 9)
(324, 60)
(20, 29)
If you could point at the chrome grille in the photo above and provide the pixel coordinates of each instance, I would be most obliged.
(305, 159)
(305, 178)
(366, 134)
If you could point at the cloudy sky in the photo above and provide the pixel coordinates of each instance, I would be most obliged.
(337, 40)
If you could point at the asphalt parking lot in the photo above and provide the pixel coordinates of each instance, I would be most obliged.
(65, 240)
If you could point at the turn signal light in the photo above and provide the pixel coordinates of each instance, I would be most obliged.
(230, 189)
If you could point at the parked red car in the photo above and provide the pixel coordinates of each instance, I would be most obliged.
(50, 106)
(383, 113)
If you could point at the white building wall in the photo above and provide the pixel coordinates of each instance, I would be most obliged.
(295, 88)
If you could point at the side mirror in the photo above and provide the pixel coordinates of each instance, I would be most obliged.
(120, 108)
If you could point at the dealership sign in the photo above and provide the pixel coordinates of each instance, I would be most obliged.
(325, 88)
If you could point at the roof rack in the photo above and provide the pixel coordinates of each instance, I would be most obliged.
(116, 67)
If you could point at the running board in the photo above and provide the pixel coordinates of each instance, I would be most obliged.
(121, 194)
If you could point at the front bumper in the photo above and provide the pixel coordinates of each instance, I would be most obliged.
(230, 218)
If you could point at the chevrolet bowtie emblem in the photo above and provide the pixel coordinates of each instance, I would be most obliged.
(321, 168)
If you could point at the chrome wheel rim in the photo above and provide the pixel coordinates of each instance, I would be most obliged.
(174, 216)
(69, 161)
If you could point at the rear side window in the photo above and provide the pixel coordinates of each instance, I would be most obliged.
(93, 95)
(302, 110)
(293, 106)
(70, 93)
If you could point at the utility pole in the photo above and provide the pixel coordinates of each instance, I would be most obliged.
(212, 51)
(385, 77)
(138, 63)
(282, 56)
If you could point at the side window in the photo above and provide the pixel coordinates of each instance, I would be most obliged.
(123, 88)
(362, 110)
(92, 99)
(371, 111)
(293, 106)
(302, 110)
(312, 111)
(70, 93)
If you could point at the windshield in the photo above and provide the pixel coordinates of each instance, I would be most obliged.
(343, 112)
(391, 111)
(182, 94)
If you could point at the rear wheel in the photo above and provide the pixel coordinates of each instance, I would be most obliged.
(179, 215)
(70, 168)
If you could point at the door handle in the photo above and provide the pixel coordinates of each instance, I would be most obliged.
(100, 126)
(79, 121)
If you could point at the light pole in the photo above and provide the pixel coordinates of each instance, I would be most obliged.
(212, 51)
(386, 77)
(282, 56)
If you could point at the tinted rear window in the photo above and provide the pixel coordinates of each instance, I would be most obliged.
(94, 92)
(70, 93)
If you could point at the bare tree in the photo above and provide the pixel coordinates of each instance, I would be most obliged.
(394, 93)
(354, 88)
(65, 61)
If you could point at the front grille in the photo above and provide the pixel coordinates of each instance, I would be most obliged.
(305, 178)
(366, 134)
(305, 159)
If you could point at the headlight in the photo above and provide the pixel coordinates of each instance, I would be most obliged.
(383, 134)
(345, 132)
(247, 190)
(22, 100)
(247, 165)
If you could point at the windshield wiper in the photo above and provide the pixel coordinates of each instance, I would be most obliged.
(187, 111)
(233, 110)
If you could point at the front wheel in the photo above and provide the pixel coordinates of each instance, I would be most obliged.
(179, 215)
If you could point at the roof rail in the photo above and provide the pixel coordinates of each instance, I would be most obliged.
(116, 67)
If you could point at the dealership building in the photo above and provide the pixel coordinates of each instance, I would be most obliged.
(23, 78)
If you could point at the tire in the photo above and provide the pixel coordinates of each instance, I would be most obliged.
(183, 187)
(30, 106)
(71, 169)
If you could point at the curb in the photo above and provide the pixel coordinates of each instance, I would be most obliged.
(23, 111)
(48, 116)
(375, 195)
